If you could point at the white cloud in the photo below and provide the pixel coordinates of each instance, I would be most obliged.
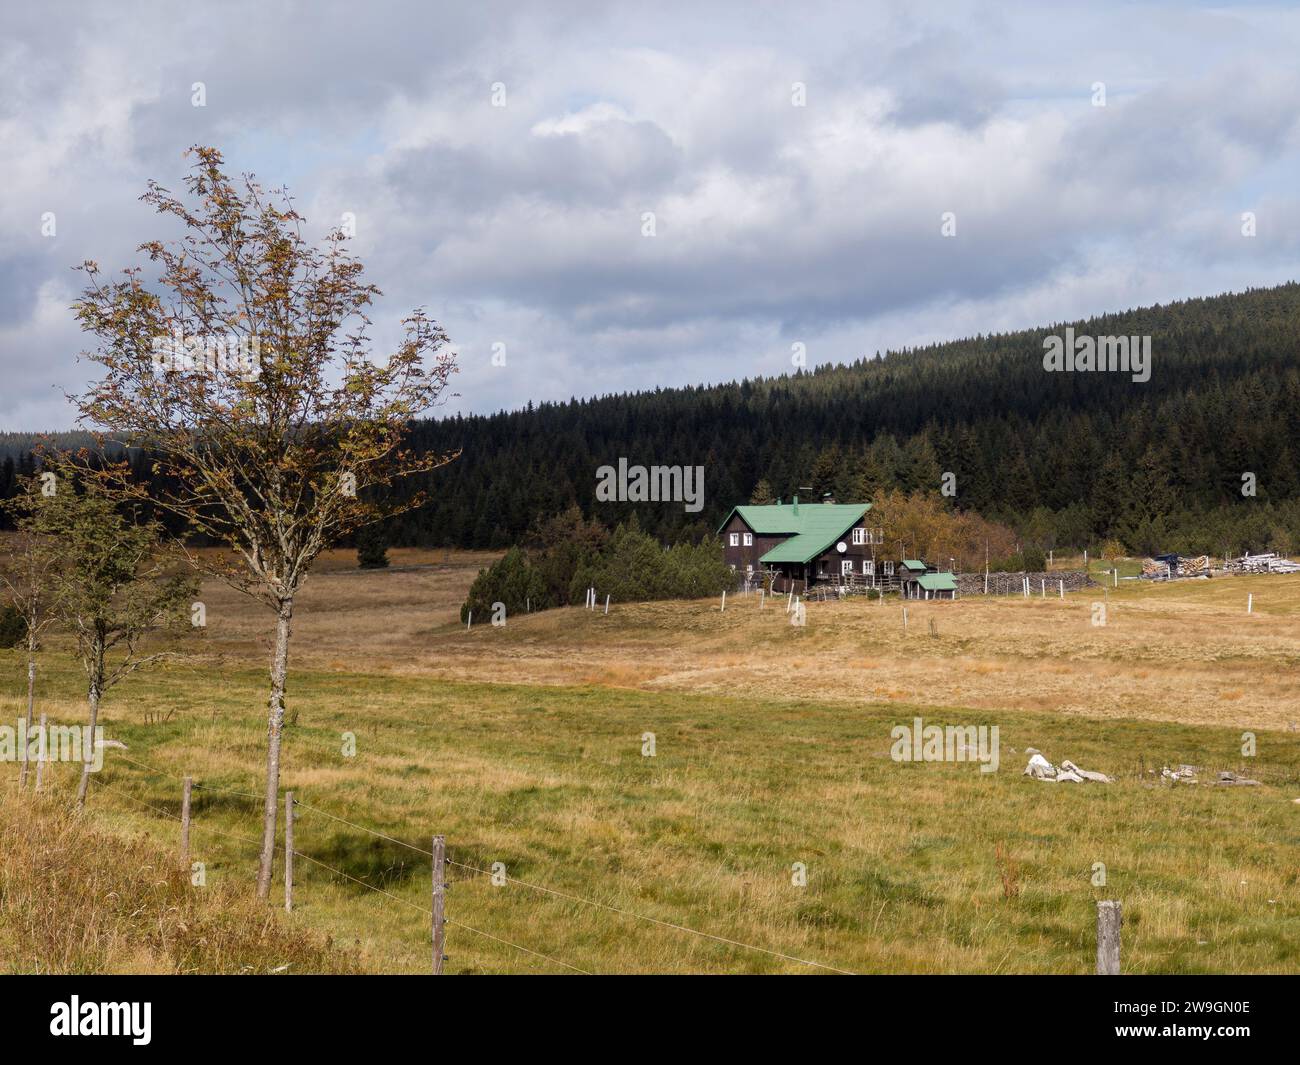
(523, 224)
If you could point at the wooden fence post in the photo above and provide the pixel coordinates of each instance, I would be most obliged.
(439, 895)
(186, 788)
(1108, 922)
(40, 761)
(288, 852)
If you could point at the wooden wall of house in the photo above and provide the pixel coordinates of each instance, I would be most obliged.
(829, 561)
(743, 556)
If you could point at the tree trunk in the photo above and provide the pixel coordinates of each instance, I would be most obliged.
(88, 742)
(31, 702)
(274, 730)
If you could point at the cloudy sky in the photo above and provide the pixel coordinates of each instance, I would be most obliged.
(501, 159)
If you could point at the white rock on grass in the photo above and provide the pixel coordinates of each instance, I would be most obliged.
(1039, 768)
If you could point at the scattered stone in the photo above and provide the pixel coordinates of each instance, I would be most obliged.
(1184, 774)
(1231, 780)
(1039, 768)
(1084, 774)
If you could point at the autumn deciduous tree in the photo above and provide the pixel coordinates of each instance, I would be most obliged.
(929, 530)
(111, 585)
(25, 576)
(243, 367)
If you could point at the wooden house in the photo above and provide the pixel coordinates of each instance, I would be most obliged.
(802, 545)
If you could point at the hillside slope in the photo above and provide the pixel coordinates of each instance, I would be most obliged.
(1071, 458)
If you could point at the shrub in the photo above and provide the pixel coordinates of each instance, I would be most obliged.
(634, 566)
(372, 547)
(513, 581)
(629, 566)
(13, 627)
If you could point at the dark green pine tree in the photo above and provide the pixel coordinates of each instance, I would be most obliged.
(372, 547)
(825, 471)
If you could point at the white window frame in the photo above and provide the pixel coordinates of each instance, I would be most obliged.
(859, 537)
(747, 539)
(868, 567)
(889, 569)
(734, 539)
(846, 567)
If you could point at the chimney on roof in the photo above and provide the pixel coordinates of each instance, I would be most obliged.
(796, 504)
(778, 501)
(828, 497)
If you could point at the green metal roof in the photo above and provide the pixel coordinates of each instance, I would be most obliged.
(914, 564)
(812, 527)
(937, 582)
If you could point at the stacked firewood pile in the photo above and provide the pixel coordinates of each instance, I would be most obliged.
(1014, 583)
(1174, 566)
(1155, 571)
(1266, 563)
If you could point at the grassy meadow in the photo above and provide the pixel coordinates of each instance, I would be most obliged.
(523, 746)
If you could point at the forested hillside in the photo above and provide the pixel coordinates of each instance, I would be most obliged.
(1069, 459)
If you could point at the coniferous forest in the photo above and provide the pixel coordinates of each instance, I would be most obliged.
(1067, 459)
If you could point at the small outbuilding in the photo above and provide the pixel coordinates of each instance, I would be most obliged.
(936, 586)
(909, 571)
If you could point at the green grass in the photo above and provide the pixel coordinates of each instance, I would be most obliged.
(909, 865)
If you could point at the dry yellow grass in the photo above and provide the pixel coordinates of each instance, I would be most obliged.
(1167, 652)
(522, 744)
(67, 910)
